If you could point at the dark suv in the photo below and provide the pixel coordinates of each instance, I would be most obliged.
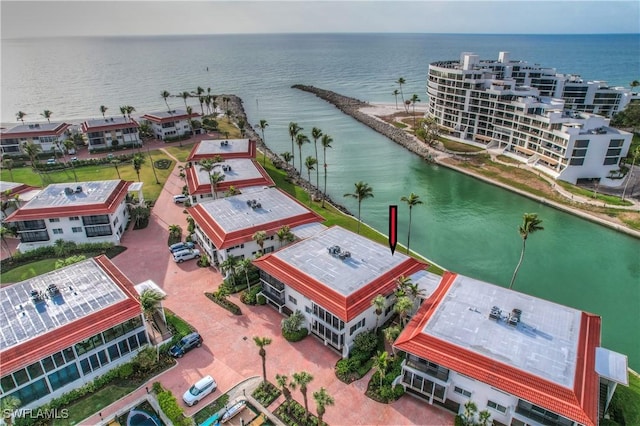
(188, 342)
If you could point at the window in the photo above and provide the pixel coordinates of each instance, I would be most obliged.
(74, 218)
(48, 363)
(115, 221)
(616, 143)
(7, 383)
(583, 143)
(579, 152)
(76, 229)
(64, 376)
(58, 359)
(33, 392)
(612, 152)
(57, 231)
(84, 364)
(98, 231)
(293, 300)
(113, 352)
(35, 370)
(54, 219)
(356, 326)
(576, 162)
(497, 407)
(68, 354)
(142, 337)
(307, 309)
(21, 377)
(461, 391)
(609, 161)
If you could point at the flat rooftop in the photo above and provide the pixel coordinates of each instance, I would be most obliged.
(9, 186)
(544, 342)
(54, 195)
(426, 281)
(219, 147)
(241, 169)
(234, 213)
(367, 262)
(109, 121)
(35, 127)
(84, 289)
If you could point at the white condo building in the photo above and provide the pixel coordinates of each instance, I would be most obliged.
(534, 114)
(48, 136)
(168, 125)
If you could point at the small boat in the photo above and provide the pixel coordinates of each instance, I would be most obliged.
(236, 406)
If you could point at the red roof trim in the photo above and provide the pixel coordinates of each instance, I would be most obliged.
(105, 127)
(109, 206)
(26, 353)
(205, 188)
(36, 133)
(20, 189)
(579, 404)
(156, 119)
(250, 153)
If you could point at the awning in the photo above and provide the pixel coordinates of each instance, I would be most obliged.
(612, 365)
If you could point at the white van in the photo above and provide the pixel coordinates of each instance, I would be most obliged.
(199, 390)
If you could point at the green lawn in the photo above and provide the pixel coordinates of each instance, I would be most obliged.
(459, 147)
(609, 199)
(180, 152)
(95, 402)
(27, 271)
(625, 405)
(151, 189)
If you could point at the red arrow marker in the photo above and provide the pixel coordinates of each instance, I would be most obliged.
(393, 228)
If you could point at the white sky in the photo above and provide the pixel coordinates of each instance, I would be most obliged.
(85, 18)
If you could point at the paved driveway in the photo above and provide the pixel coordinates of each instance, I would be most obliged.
(229, 353)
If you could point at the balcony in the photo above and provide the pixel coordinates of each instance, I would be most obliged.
(31, 225)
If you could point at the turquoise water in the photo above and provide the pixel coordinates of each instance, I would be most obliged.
(465, 225)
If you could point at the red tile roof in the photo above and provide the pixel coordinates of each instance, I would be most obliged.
(196, 188)
(104, 127)
(36, 132)
(579, 404)
(24, 354)
(109, 206)
(222, 240)
(344, 307)
(249, 153)
(177, 117)
(17, 190)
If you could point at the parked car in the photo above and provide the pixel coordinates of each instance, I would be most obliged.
(181, 198)
(199, 390)
(181, 246)
(188, 342)
(51, 161)
(186, 254)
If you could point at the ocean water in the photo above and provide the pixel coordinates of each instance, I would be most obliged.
(464, 225)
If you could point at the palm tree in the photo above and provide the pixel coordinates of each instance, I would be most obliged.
(259, 237)
(165, 95)
(103, 110)
(634, 84)
(115, 163)
(261, 342)
(129, 109)
(228, 113)
(530, 224)
(208, 165)
(228, 266)
(185, 96)
(362, 192)
(215, 178)
(301, 139)
(402, 283)
(380, 364)
(412, 200)
(243, 267)
(400, 82)
(262, 126)
(47, 114)
(403, 306)
(284, 234)
(7, 163)
(123, 111)
(323, 400)
(414, 99)
(20, 116)
(137, 161)
(68, 146)
(281, 382)
(9, 404)
(286, 156)
(316, 134)
(294, 129)
(390, 335)
(150, 302)
(310, 164)
(32, 150)
(395, 94)
(301, 380)
(378, 304)
(326, 143)
(199, 92)
(175, 231)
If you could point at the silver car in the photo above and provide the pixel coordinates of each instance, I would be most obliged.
(187, 254)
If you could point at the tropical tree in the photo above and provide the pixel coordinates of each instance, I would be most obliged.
(326, 143)
(47, 114)
(103, 110)
(199, 92)
(414, 99)
(301, 139)
(68, 145)
(287, 156)
(362, 192)
(323, 400)
(228, 266)
(260, 237)
(262, 126)
(378, 303)
(20, 116)
(284, 234)
(301, 380)
(165, 95)
(228, 113)
(137, 161)
(294, 129)
(185, 96)
(215, 178)
(315, 135)
(403, 306)
(402, 282)
(429, 131)
(175, 231)
(634, 84)
(390, 335)
(7, 163)
(262, 342)
(282, 383)
(123, 111)
(310, 164)
(243, 267)
(412, 200)
(381, 363)
(483, 418)
(32, 150)
(129, 110)
(395, 93)
(530, 224)
(400, 82)
(208, 165)
(150, 302)
(9, 404)
(115, 163)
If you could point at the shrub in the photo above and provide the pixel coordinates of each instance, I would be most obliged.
(204, 262)
(292, 323)
(261, 299)
(366, 342)
(169, 405)
(249, 297)
(295, 336)
(266, 393)
(226, 304)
